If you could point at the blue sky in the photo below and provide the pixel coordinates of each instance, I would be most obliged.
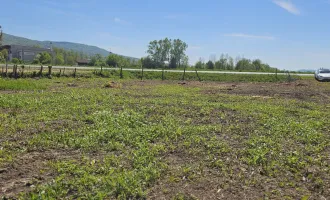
(288, 34)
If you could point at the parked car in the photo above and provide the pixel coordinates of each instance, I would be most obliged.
(322, 75)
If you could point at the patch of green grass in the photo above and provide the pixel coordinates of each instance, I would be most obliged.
(21, 84)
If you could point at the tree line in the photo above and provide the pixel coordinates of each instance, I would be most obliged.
(161, 53)
(226, 62)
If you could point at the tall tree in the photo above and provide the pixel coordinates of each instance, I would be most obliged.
(257, 65)
(113, 60)
(4, 55)
(244, 64)
(178, 51)
(210, 65)
(165, 47)
(230, 65)
(167, 50)
(70, 60)
(45, 58)
(154, 51)
(59, 60)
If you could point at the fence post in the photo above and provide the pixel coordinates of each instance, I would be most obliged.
(41, 69)
(184, 73)
(15, 71)
(23, 67)
(121, 72)
(74, 73)
(64, 71)
(276, 74)
(2, 71)
(142, 72)
(163, 74)
(60, 72)
(198, 75)
(49, 71)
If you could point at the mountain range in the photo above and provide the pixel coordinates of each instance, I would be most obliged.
(86, 49)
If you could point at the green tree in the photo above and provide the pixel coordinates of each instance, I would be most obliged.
(70, 60)
(15, 61)
(222, 62)
(45, 58)
(244, 65)
(173, 63)
(3, 55)
(230, 64)
(199, 65)
(59, 60)
(113, 60)
(154, 51)
(178, 51)
(257, 64)
(185, 61)
(165, 47)
(97, 60)
(166, 50)
(147, 62)
(210, 65)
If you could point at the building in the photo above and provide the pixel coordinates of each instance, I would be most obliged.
(82, 62)
(24, 53)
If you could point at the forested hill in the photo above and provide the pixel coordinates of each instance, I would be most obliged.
(86, 49)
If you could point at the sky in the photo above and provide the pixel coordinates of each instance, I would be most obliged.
(287, 34)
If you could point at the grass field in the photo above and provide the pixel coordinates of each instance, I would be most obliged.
(128, 139)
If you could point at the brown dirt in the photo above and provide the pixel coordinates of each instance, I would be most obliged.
(300, 90)
(28, 170)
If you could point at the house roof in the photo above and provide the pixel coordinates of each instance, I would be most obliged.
(82, 61)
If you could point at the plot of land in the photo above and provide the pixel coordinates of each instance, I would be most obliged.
(76, 138)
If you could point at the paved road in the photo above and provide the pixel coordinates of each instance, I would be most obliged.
(158, 70)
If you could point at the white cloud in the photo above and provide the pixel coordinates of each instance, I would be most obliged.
(288, 6)
(242, 35)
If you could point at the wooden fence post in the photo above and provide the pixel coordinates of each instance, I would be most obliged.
(50, 71)
(142, 72)
(60, 72)
(163, 74)
(41, 69)
(184, 73)
(198, 75)
(15, 71)
(64, 71)
(74, 73)
(23, 67)
(276, 74)
(121, 72)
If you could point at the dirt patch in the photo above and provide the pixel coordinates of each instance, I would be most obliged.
(300, 90)
(29, 170)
